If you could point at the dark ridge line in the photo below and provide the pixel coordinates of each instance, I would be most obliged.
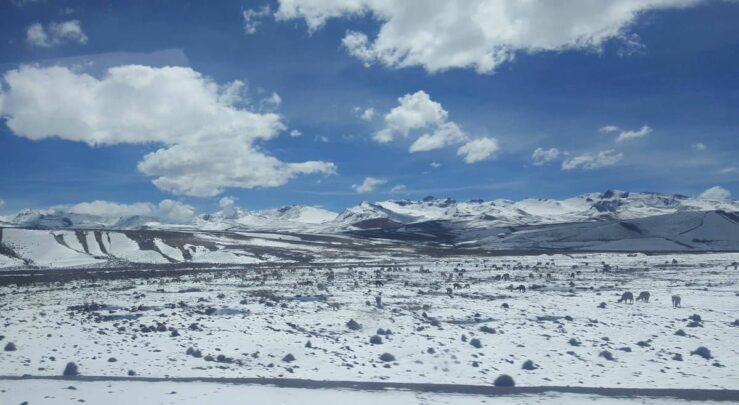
(689, 394)
(82, 238)
(99, 239)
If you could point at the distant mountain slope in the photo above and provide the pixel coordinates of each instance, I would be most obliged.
(379, 239)
(481, 214)
(680, 231)
(291, 217)
(703, 231)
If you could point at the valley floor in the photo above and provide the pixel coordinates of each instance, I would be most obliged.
(291, 321)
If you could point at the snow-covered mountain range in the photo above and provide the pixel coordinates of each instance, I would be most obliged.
(610, 221)
(610, 205)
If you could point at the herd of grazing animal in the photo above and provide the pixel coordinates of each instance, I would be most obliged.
(628, 297)
(380, 279)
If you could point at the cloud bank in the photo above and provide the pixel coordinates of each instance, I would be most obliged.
(479, 34)
(209, 139)
(169, 210)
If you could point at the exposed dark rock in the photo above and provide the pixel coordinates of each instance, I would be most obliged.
(607, 355)
(386, 357)
(353, 325)
(529, 365)
(71, 369)
(703, 352)
(504, 380)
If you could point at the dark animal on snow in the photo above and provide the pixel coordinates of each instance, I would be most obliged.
(643, 296)
(627, 297)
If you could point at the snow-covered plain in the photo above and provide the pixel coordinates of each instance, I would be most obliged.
(255, 316)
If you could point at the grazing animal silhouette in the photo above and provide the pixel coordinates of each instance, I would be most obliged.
(627, 297)
(506, 276)
(521, 288)
(457, 285)
(676, 301)
(334, 305)
(449, 291)
(643, 296)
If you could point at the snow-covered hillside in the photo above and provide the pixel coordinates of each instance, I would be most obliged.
(23, 247)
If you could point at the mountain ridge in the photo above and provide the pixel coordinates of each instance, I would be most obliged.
(589, 207)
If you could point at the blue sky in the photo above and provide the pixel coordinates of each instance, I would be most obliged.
(670, 68)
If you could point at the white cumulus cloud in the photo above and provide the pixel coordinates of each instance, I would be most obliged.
(368, 114)
(629, 135)
(208, 140)
(368, 185)
(226, 202)
(55, 33)
(415, 111)
(253, 19)
(478, 149)
(589, 161)
(417, 115)
(607, 129)
(479, 34)
(699, 146)
(544, 156)
(445, 134)
(716, 193)
(399, 189)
